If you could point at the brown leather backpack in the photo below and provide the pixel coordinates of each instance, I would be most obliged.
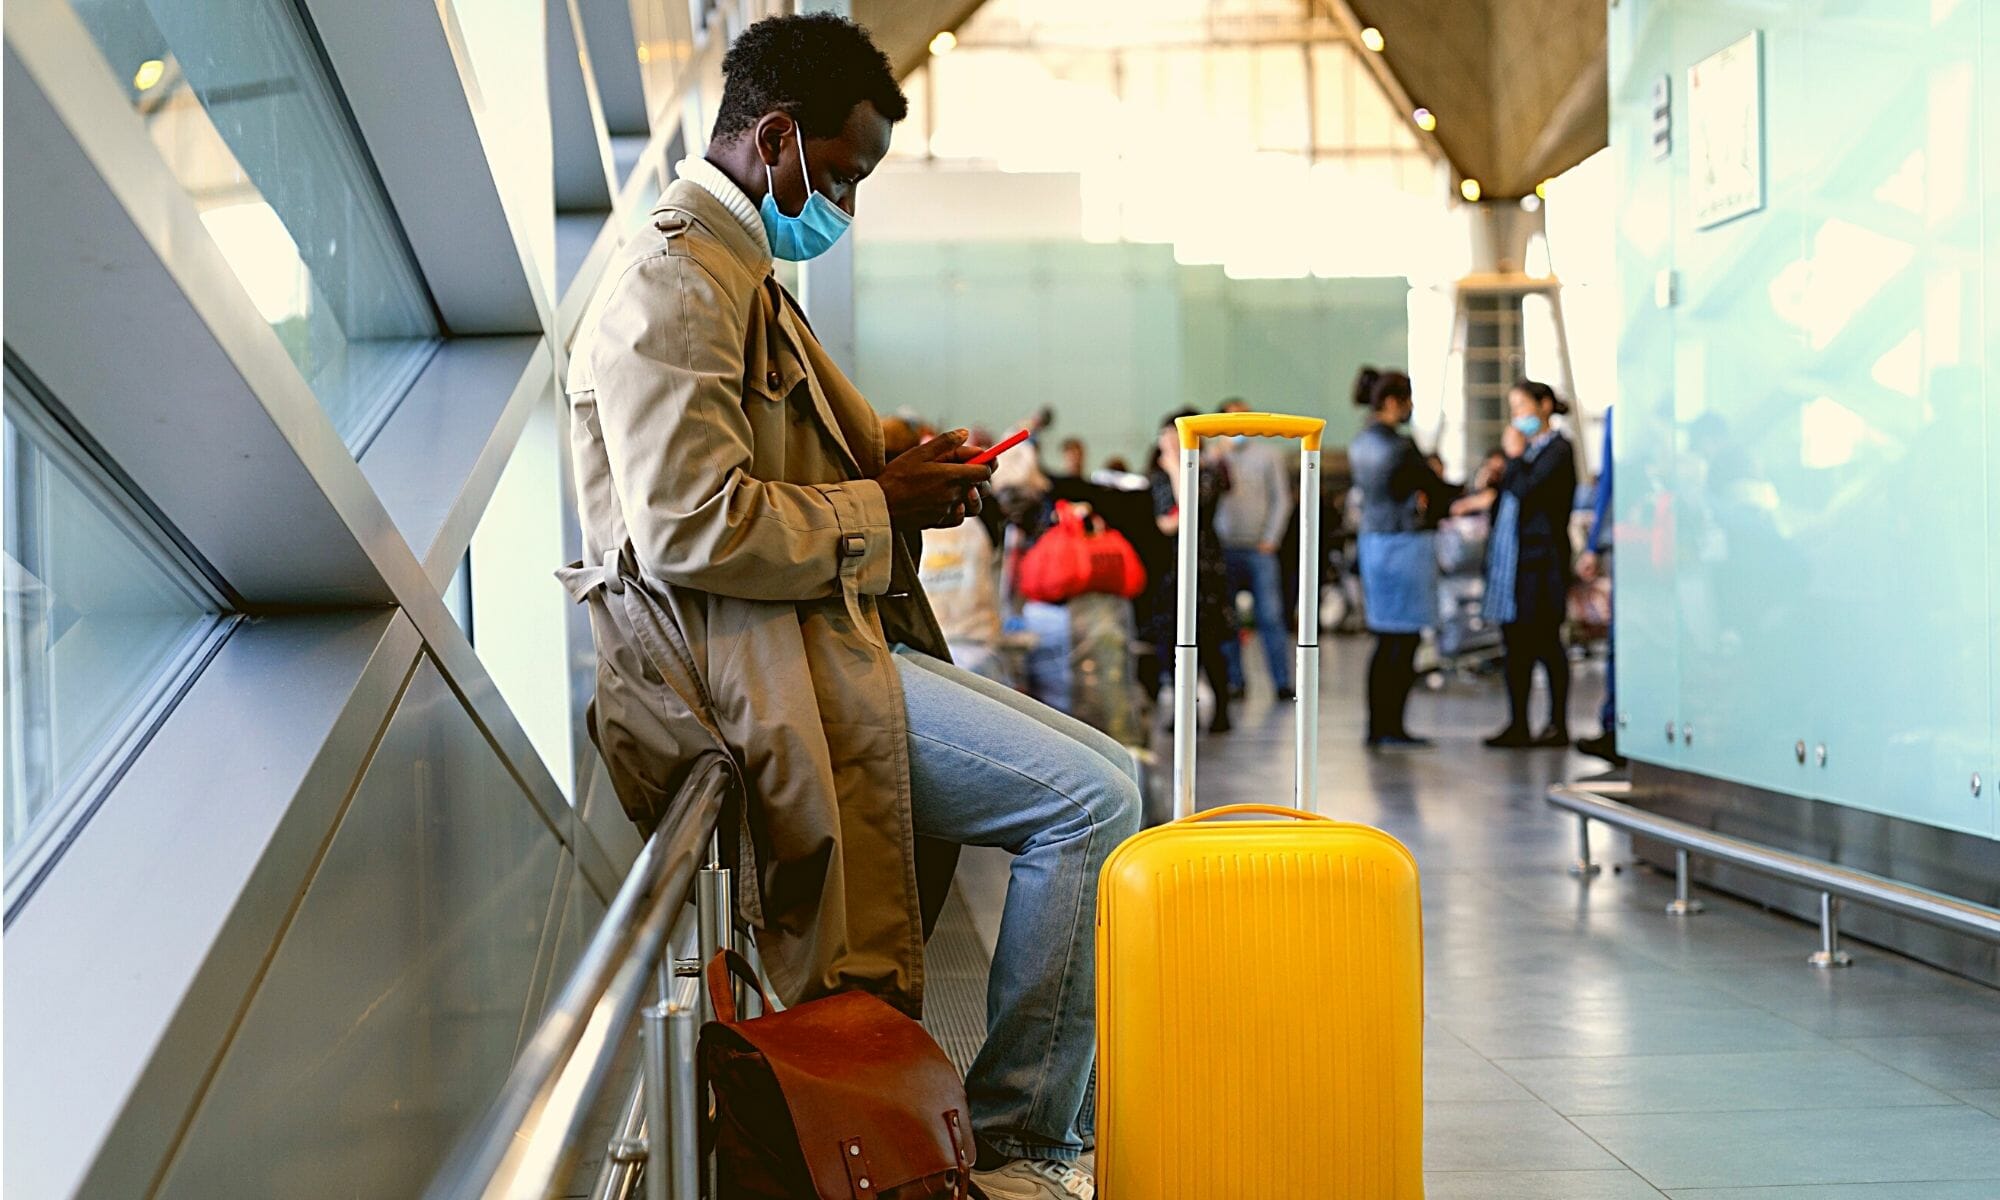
(840, 1099)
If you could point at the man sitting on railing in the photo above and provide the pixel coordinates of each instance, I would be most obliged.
(753, 594)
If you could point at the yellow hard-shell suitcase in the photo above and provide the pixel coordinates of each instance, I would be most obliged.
(1259, 981)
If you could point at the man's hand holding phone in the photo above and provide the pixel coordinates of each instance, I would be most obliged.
(934, 485)
(995, 451)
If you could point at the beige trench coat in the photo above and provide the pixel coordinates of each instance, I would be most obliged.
(745, 592)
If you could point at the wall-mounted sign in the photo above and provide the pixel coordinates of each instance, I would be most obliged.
(1726, 132)
(1663, 118)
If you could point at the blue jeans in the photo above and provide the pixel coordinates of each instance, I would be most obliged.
(1253, 571)
(990, 767)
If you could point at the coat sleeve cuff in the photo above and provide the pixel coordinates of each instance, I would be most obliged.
(867, 545)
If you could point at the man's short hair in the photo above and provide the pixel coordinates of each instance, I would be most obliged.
(814, 68)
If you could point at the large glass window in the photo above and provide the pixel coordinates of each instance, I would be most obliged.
(243, 109)
(1278, 95)
(103, 623)
(520, 533)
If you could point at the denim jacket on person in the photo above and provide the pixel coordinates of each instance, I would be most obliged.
(1390, 471)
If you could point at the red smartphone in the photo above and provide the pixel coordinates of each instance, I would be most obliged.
(992, 452)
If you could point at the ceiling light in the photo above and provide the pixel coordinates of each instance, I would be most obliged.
(1531, 204)
(1424, 119)
(1469, 188)
(1371, 37)
(945, 42)
(1542, 189)
(149, 73)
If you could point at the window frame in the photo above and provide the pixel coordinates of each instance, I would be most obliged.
(354, 162)
(36, 417)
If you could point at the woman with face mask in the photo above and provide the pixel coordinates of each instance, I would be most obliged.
(1528, 560)
(1398, 556)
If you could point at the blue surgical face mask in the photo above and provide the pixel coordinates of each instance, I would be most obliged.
(1529, 425)
(814, 230)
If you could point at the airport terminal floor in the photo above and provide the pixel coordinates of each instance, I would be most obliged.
(1580, 1043)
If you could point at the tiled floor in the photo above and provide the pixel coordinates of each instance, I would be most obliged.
(1581, 1044)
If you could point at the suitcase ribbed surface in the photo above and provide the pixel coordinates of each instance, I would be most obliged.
(1260, 1014)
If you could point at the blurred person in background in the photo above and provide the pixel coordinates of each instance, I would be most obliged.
(1215, 620)
(1026, 496)
(1078, 652)
(1528, 560)
(1250, 521)
(1428, 506)
(1488, 472)
(1398, 556)
(1432, 512)
(1074, 459)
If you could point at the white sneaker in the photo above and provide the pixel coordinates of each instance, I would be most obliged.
(1036, 1179)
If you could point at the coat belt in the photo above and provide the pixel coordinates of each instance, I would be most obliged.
(580, 579)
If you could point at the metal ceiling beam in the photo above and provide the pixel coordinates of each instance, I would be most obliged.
(904, 28)
(1517, 86)
(1378, 68)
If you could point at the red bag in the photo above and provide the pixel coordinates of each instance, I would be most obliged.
(1077, 556)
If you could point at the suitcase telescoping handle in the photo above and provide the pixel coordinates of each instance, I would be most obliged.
(1192, 430)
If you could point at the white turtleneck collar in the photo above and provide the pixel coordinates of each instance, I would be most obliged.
(709, 177)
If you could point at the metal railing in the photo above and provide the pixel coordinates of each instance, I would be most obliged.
(1835, 883)
(528, 1142)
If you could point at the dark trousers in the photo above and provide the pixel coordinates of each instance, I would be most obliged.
(1257, 573)
(1607, 715)
(1392, 672)
(1527, 643)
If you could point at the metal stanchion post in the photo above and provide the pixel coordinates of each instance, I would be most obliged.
(1682, 905)
(685, 1098)
(625, 1154)
(654, 1051)
(1829, 953)
(715, 910)
(1583, 868)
